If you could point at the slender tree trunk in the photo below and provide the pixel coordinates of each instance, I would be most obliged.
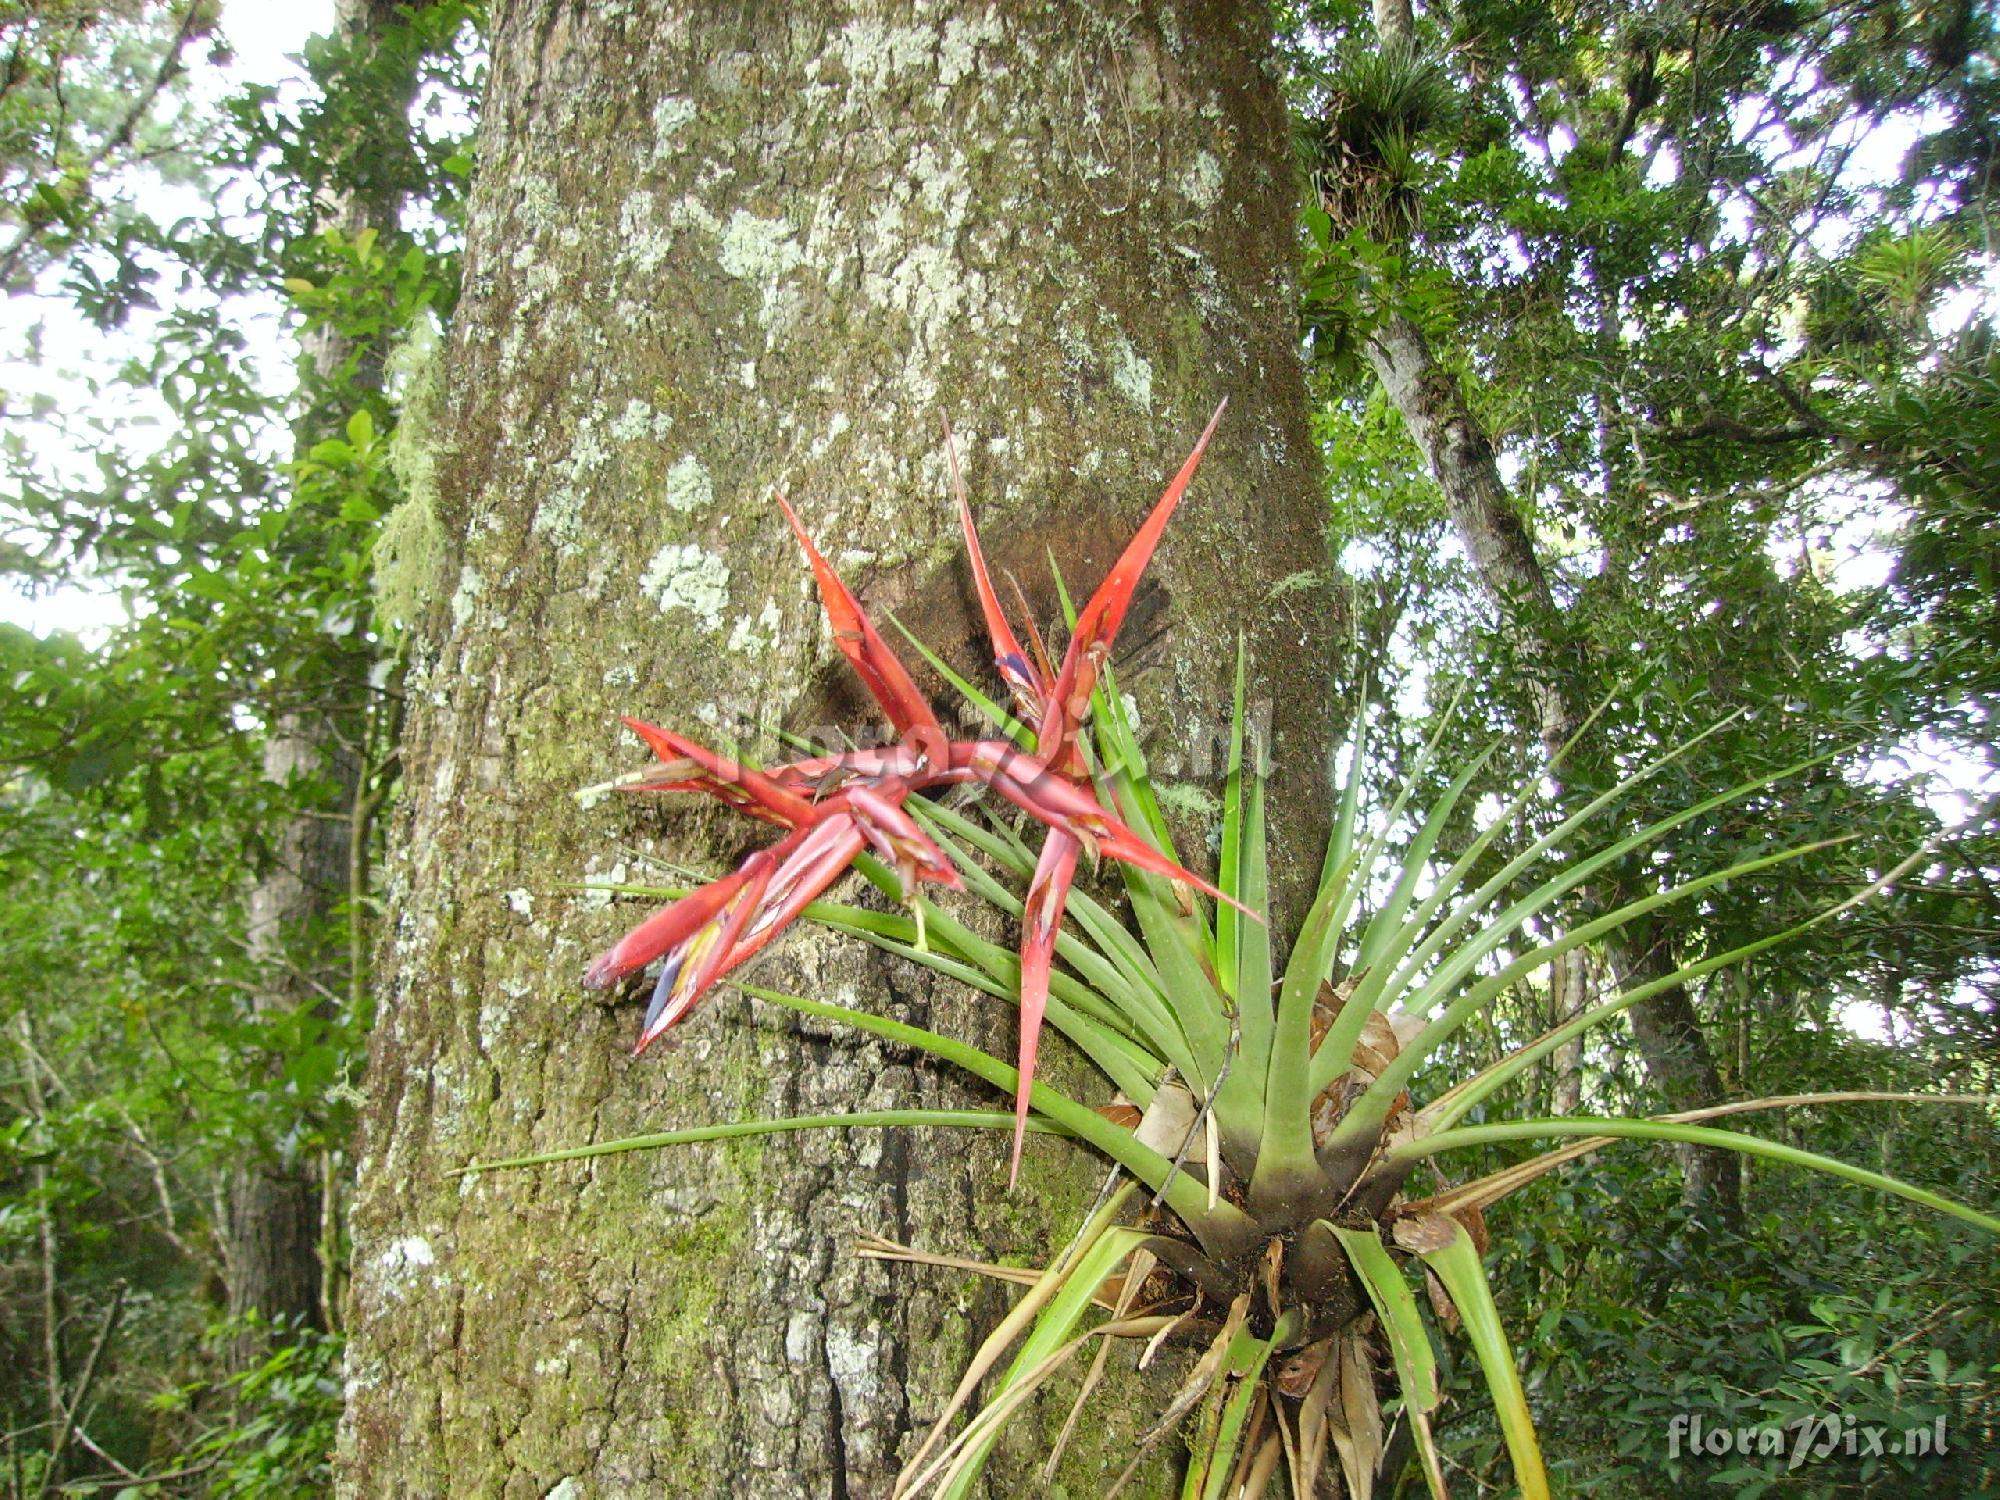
(1667, 1027)
(716, 251)
(1489, 527)
(277, 1244)
(272, 1261)
(1571, 992)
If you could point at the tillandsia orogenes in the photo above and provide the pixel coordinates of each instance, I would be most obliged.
(1270, 1094)
(833, 807)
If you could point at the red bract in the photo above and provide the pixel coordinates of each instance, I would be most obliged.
(837, 805)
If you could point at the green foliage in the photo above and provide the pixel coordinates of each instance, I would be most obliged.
(269, 1430)
(88, 90)
(1825, 1307)
(136, 810)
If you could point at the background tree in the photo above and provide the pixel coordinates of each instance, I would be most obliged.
(165, 1035)
(713, 253)
(1649, 363)
(308, 928)
(1580, 255)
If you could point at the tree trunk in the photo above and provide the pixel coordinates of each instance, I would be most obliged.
(1571, 992)
(276, 1242)
(716, 251)
(272, 1254)
(1666, 1026)
(1460, 454)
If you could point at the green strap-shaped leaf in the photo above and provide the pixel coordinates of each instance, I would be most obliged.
(1691, 1135)
(1228, 923)
(1240, 1104)
(1363, 1120)
(1242, 1368)
(1285, 1159)
(1459, 1267)
(1394, 1303)
(1081, 1276)
(963, 1119)
(1224, 1230)
(1450, 1107)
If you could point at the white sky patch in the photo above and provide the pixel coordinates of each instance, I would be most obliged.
(264, 40)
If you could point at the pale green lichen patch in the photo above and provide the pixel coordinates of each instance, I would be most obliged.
(599, 889)
(958, 51)
(643, 243)
(1202, 185)
(670, 116)
(757, 636)
(1304, 580)
(410, 550)
(1187, 800)
(402, 1263)
(874, 53)
(689, 486)
(1132, 374)
(762, 252)
(465, 598)
(686, 576)
(639, 422)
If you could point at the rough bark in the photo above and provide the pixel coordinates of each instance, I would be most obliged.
(1459, 451)
(717, 250)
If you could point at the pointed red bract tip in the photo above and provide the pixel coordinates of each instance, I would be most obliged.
(738, 785)
(879, 669)
(697, 960)
(1097, 624)
(1027, 686)
(1041, 920)
(663, 931)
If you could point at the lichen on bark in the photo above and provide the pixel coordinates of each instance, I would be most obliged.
(772, 248)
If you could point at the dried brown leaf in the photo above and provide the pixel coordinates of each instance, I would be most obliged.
(1441, 1303)
(1362, 1410)
(1301, 1368)
(1420, 1234)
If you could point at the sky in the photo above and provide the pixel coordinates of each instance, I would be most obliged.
(265, 39)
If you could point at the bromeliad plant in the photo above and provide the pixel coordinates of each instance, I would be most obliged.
(837, 805)
(1265, 1107)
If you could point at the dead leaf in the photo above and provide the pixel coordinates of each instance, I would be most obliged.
(1474, 1220)
(1301, 1368)
(1122, 1114)
(1441, 1303)
(1420, 1234)
(1167, 1120)
(1363, 1409)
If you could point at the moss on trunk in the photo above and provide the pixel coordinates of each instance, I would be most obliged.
(715, 251)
